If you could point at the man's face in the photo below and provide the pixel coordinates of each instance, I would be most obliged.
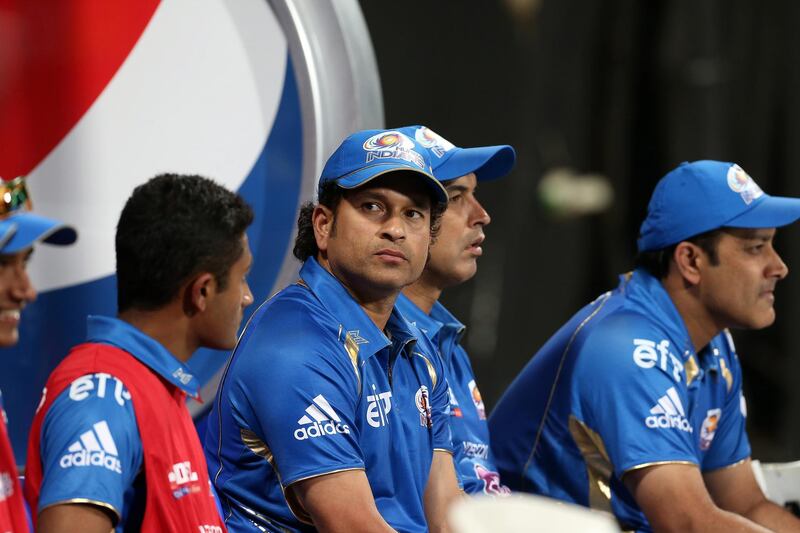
(225, 308)
(454, 255)
(16, 291)
(377, 241)
(739, 291)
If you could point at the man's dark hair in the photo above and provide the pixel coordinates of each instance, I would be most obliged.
(330, 195)
(656, 262)
(172, 228)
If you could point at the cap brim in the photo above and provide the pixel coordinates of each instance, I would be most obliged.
(487, 162)
(32, 228)
(364, 175)
(770, 212)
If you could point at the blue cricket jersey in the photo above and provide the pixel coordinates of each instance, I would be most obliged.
(619, 387)
(91, 450)
(313, 388)
(474, 463)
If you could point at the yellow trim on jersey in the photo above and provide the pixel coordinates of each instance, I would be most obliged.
(598, 466)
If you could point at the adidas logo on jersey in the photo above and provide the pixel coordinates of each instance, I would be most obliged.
(668, 413)
(94, 448)
(320, 420)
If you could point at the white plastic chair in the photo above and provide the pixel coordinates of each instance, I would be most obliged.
(526, 513)
(779, 481)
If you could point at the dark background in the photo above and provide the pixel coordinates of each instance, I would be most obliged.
(621, 88)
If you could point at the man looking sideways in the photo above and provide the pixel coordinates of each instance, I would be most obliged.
(19, 231)
(635, 406)
(332, 413)
(112, 443)
(454, 260)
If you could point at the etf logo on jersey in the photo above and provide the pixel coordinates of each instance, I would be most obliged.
(95, 447)
(84, 386)
(378, 406)
(320, 420)
(646, 356)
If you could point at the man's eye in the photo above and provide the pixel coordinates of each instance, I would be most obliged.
(413, 213)
(456, 198)
(371, 206)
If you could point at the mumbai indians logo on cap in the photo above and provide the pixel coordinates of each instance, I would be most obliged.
(739, 181)
(392, 145)
(433, 141)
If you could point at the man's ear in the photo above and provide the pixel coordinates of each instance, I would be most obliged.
(197, 293)
(689, 259)
(322, 221)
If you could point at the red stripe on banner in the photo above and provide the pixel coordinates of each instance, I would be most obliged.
(56, 58)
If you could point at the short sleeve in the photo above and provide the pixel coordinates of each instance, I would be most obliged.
(726, 437)
(301, 392)
(631, 392)
(440, 409)
(91, 450)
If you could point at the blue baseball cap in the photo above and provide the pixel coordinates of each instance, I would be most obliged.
(704, 195)
(368, 154)
(450, 162)
(29, 229)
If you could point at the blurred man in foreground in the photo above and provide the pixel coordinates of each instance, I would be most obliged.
(454, 260)
(112, 443)
(635, 406)
(19, 231)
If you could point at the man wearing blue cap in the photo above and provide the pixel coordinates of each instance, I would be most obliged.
(332, 413)
(20, 230)
(454, 260)
(635, 405)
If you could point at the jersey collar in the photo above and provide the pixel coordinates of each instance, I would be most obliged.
(440, 326)
(353, 321)
(651, 297)
(116, 332)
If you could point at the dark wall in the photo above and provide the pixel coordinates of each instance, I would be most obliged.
(622, 88)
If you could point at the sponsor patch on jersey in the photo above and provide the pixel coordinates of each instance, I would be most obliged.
(392, 145)
(476, 450)
(649, 354)
(320, 420)
(379, 404)
(477, 399)
(709, 428)
(668, 413)
(423, 403)
(95, 448)
(183, 480)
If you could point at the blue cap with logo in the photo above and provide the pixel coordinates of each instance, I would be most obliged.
(368, 154)
(450, 162)
(21, 229)
(705, 195)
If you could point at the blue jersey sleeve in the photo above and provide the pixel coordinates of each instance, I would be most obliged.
(440, 409)
(90, 445)
(298, 391)
(631, 393)
(725, 435)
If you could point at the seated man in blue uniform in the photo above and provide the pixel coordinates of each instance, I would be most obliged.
(112, 443)
(332, 414)
(635, 405)
(454, 260)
